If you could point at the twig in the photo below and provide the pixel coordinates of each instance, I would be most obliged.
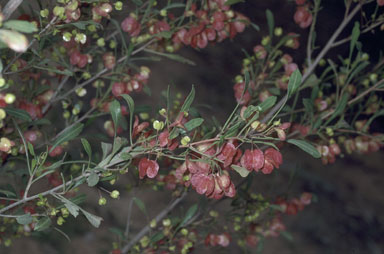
(366, 30)
(310, 36)
(147, 228)
(128, 224)
(103, 71)
(46, 106)
(366, 92)
(10, 8)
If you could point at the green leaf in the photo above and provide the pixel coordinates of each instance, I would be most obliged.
(30, 149)
(287, 235)
(156, 237)
(106, 148)
(93, 219)
(21, 26)
(354, 37)
(140, 204)
(18, 113)
(190, 213)
(306, 147)
(250, 110)
(131, 106)
(174, 57)
(9, 194)
(339, 108)
(55, 70)
(194, 123)
(115, 109)
(271, 22)
(174, 5)
(137, 2)
(231, 2)
(188, 101)
(243, 172)
(93, 179)
(175, 132)
(72, 208)
(24, 219)
(83, 24)
(43, 224)
(294, 82)
(268, 103)
(164, 34)
(68, 134)
(87, 147)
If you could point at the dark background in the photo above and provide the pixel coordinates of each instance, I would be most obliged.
(348, 216)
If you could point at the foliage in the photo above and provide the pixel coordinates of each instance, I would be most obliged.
(77, 63)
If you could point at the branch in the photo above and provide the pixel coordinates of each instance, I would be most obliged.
(366, 30)
(10, 8)
(373, 88)
(103, 71)
(147, 228)
(320, 56)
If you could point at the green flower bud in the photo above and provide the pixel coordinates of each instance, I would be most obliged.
(278, 31)
(115, 194)
(102, 201)
(44, 13)
(58, 11)
(9, 98)
(166, 222)
(158, 125)
(185, 140)
(118, 5)
(2, 82)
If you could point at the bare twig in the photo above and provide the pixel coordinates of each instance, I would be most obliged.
(46, 106)
(147, 228)
(366, 30)
(10, 8)
(372, 88)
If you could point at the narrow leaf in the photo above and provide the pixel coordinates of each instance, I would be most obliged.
(271, 22)
(231, 2)
(21, 26)
(194, 123)
(131, 106)
(9, 194)
(294, 82)
(190, 213)
(306, 147)
(174, 57)
(188, 101)
(43, 224)
(354, 37)
(18, 113)
(68, 134)
(268, 103)
(87, 147)
(115, 110)
(140, 204)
